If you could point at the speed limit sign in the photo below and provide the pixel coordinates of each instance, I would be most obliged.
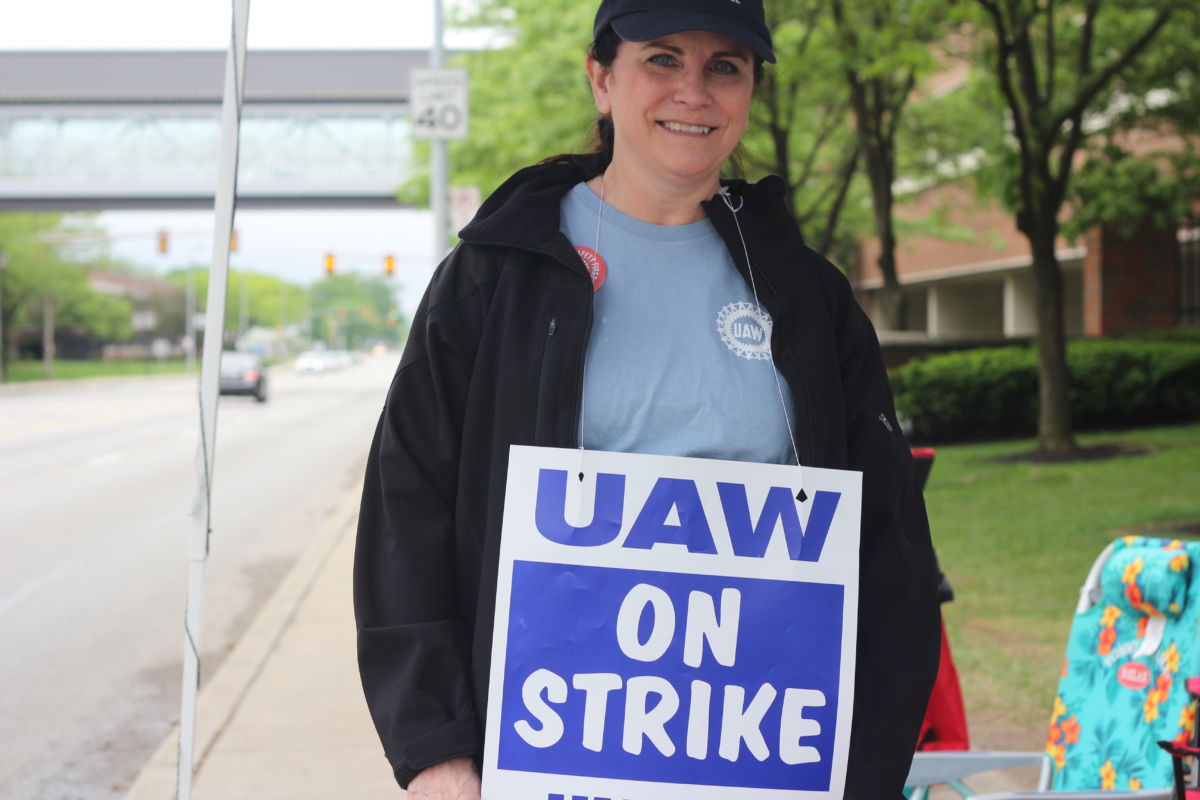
(438, 99)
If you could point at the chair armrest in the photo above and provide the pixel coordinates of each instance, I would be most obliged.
(930, 767)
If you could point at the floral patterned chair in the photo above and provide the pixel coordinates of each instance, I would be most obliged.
(1132, 649)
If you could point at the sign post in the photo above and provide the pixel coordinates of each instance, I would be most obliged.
(210, 365)
(438, 104)
(672, 629)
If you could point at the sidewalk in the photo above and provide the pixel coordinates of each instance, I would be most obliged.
(284, 716)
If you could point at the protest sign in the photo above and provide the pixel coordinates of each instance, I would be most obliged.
(672, 629)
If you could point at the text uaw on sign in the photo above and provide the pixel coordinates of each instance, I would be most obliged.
(672, 628)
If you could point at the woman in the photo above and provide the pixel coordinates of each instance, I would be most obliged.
(513, 344)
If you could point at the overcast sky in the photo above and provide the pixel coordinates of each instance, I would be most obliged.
(287, 243)
(203, 24)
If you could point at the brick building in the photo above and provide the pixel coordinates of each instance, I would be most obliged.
(979, 286)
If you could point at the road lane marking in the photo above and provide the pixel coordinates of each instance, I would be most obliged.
(29, 588)
(105, 460)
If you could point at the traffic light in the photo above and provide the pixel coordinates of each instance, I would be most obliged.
(163, 242)
(233, 243)
(330, 263)
(389, 264)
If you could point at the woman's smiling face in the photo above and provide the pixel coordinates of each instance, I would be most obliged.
(679, 104)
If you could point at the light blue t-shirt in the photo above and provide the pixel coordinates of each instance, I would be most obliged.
(679, 357)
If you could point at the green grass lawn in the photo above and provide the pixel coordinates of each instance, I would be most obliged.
(1016, 540)
(20, 371)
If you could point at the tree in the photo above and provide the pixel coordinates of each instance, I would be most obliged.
(798, 123)
(529, 98)
(884, 49)
(26, 254)
(271, 301)
(1143, 165)
(86, 312)
(40, 288)
(351, 311)
(1055, 63)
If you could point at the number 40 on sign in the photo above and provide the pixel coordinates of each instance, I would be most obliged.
(438, 99)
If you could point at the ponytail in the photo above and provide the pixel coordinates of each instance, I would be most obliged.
(604, 52)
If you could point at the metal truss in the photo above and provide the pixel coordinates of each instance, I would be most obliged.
(139, 155)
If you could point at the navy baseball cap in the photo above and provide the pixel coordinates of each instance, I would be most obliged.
(643, 20)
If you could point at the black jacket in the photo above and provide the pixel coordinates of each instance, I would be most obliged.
(495, 358)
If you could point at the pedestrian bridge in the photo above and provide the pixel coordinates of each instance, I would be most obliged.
(108, 130)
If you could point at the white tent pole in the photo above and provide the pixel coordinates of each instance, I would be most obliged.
(210, 365)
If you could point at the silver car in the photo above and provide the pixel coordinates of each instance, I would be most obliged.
(243, 373)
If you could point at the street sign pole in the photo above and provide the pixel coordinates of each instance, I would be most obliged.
(214, 326)
(438, 112)
(440, 168)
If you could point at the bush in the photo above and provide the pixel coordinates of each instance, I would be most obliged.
(993, 393)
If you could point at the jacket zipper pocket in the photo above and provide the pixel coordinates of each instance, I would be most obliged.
(540, 436)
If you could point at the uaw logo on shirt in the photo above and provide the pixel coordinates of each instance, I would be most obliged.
(746, 330)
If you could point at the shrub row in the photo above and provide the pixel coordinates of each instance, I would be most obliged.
(993, 393)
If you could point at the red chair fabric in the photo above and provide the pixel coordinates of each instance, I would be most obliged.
(945, 726)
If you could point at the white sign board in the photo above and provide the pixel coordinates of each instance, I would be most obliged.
(143, 320)
(438, 100)
(464, 204)
(672, 629)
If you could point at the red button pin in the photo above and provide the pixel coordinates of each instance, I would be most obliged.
(596, 267)
(1134, 675)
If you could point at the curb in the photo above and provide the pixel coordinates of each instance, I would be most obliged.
(65, 384)
(222, 696)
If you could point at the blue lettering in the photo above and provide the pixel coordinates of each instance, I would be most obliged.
(607, 514)
(749, 538)
(779, 507)
(651, 528)
(824, 505)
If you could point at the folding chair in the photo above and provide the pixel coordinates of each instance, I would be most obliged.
(945, 724)
(1132, 649)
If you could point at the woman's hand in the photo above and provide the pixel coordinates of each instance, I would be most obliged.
(455, 779)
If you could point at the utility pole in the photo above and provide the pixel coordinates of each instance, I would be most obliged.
(243, 307)
(189, 301)
(189, 324)
(283, 315)
(48, 354)
(3, 266)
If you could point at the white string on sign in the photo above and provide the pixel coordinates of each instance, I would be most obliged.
(582, 394)
(801, 495)
(724, 192)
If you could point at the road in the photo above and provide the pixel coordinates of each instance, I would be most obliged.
(97, 480)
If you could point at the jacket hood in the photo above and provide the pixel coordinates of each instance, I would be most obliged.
(524, 211)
